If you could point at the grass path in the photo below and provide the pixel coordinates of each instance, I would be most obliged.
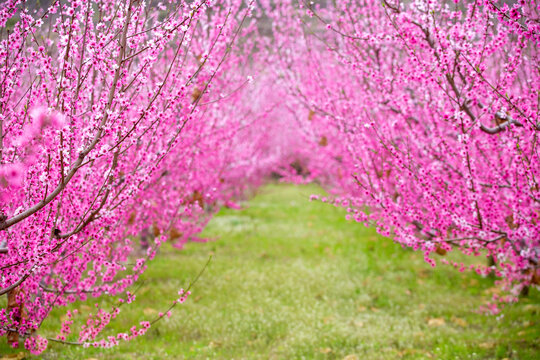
(291, 279)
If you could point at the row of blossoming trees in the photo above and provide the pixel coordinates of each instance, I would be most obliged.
(427, 114)
(121, 122)
(126, 123)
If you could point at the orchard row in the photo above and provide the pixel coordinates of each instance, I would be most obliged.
(127, 123)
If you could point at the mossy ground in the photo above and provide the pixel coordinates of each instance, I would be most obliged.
(292, 279)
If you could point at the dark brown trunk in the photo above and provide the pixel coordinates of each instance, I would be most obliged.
(12, 305)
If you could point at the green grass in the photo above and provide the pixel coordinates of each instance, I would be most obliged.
(292, 279)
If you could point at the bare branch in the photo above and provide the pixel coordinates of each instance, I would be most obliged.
(501, 127)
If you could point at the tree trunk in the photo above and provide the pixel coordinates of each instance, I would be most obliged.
(13, 306)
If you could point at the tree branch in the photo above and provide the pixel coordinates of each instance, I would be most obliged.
(501, 127)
